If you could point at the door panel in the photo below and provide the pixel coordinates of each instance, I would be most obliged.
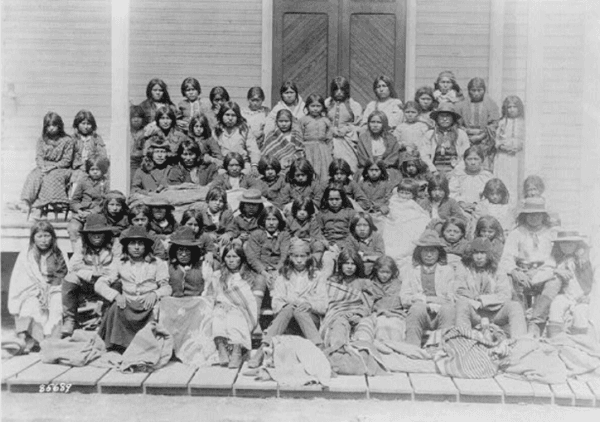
(305, 50)
(370, 55)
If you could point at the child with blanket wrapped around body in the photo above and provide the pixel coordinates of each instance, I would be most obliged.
(484, 295)
(299, 293)
(145, 280)
(235, 313)
(351, 299)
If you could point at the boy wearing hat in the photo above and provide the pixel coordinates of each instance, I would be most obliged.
(93, 261)
(484, 294)
(527, 248)
(243, 224)
(446, 142)
(427, 289)
(155, 173)
(570, 309)
(185, 269)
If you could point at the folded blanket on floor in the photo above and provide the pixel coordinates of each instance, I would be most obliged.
(150, 349)
(80, 349)
(297, 362)
(189, 320)
(535, 361)
(467, 353)
(580, 353)
(404, 357)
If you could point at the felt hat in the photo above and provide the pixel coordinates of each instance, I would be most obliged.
(136, 233)
(411, 154)
(96, 223)
(429, 238)
(157, 201)
(480, 244)
(184, 236)
(445, 108)
(158, 142)
(532, 206)
(252, 196)
(569, 236)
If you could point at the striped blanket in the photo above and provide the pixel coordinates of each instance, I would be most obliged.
(346, 301)
(284, 147)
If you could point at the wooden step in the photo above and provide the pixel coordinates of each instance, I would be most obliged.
(583, 394)
(117, 382)
(391, 387)
(433, 387)
(347, 387)
(485, 390)
(542, 393)
(248, 386)
(213, 381)
(515, 390)
(172, 380)
(562, 394)
(82, 380)
(36, 378)
(16, 364)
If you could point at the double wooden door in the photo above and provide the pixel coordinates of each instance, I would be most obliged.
(314, 41)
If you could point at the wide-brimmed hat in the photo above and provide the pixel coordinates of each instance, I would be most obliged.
(184, 236)
(157, 142)
(96, 223)
(445, 108)
(480, 244)
(411, 154)
(157, 201)
(429, 238)
(533, 205)
(569, 236)
(136, 233)
(252, 196)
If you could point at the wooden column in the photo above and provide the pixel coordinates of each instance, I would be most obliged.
(590, 148)
(119, 124)
(267, 50)
(496, 59)
(411, 50)
(534, 87)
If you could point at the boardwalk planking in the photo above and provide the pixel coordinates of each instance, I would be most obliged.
(213, 381)
(394, 387)
(16, 364)
(542, 393)
(172, 380)
(33, 378)
(82, 380)
(516, 390)
(248, 386)
(485, 390)
(595, 387)
(562, 394)
(433, 387)
(583, 394)
(116, 382)
(347, 387)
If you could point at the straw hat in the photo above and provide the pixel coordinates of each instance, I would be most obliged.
(569, 236)
(429, 238)
(184, 236)
(252, 196)
(532, 206)
(96, 223)
(136, 233)
(445, 108)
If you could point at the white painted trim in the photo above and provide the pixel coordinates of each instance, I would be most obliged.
(267, 49)
(534, 87)
(590, 148)
(410, 76)
(496, 58)
(119, 124)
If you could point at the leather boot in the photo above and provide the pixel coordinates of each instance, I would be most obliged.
(257, 359)
(221, 343)
(236, 357)
(68, 327)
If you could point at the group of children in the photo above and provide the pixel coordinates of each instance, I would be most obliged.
(403, 218)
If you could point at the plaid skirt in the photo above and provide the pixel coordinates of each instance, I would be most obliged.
(41, 189)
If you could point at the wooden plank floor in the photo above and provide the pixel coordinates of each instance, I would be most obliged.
(27, 374)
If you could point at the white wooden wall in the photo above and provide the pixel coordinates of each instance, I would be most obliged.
(55, 57)
(217, 42)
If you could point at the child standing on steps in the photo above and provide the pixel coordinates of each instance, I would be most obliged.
(316, 132)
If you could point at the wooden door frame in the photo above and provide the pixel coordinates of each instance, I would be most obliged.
(341, 57)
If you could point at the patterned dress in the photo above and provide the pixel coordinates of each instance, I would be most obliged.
(345, 117)
(317, 144)
(43, 188)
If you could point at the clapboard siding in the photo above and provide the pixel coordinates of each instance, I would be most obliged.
(218, 43)
(452, 36)
(57, 56)
(561, 117)
(515, 49)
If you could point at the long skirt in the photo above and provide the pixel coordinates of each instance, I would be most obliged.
(120, 326)
(345, 148)
(229, 322)
(319, 155)
(506, 168)
(44, 188)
